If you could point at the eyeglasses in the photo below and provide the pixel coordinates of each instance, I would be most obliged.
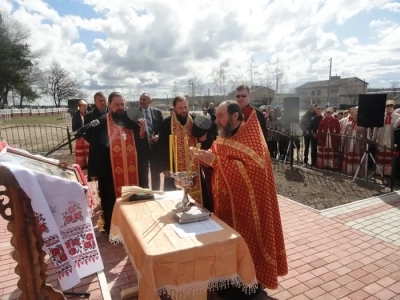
(390, 105)
(328, 112)
(241, 96)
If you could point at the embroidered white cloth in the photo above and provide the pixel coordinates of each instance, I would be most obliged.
(63, 218)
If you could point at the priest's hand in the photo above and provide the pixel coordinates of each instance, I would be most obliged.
(167, 173)
(205, 156)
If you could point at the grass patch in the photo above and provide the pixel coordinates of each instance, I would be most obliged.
(30, 120)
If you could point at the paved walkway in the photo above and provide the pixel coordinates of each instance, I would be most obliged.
(348, 252)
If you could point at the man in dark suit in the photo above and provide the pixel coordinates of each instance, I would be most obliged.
(147, 147)
(101, 109)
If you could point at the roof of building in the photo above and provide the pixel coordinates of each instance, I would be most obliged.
(335, 80)
(253, 89)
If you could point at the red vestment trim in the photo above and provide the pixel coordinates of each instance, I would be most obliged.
(123, 156)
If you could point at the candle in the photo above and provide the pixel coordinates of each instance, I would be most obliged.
(198, 146)
(186, 153)
(171, 153)
(176, 152)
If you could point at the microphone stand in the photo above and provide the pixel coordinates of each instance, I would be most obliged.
(70, 140)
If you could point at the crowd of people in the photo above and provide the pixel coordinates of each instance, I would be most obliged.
(333, 139)
(233, 164)
(125, 147)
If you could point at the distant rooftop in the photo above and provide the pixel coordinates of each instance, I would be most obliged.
(335, 80)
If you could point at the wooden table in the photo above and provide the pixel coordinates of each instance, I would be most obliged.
(165, 262)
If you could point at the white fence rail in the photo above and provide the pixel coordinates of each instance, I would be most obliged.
(7, 114)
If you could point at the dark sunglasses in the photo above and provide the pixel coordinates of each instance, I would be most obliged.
(241, 96)
(390, 105)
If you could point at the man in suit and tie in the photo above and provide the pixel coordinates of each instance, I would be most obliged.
(153, 117)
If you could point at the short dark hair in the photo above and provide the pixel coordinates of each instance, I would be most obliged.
(101, 94)
(233, 107)
(178, 99)
(145, 94)
(113, 95)
(243, 87)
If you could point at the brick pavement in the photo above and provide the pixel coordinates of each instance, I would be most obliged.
(330, 255)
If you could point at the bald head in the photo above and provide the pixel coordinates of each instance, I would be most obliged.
(145, 100)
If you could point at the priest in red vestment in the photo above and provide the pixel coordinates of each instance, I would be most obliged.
(243, 190)
(113, 157)
(328, 136)
(180, 127)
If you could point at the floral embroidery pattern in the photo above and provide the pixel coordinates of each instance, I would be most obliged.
(41, 223)
(52, 209)
(73, 213)
(58, 256)
(76, 230)
(82, 248)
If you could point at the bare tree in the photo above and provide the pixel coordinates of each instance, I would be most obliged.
(59, 84)
(254, 73)
(215, 80)
(175, 89)
(279, 77)
(394, 85)
(222, 77)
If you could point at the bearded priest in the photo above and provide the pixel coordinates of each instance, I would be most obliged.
(243, 190)
(180, 126)
(113, 159)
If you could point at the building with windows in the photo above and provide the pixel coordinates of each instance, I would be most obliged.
(341, 91)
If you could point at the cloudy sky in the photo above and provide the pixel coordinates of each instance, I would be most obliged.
(137, 46)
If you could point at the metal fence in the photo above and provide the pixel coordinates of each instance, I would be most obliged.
(354, 157)
(37, 138)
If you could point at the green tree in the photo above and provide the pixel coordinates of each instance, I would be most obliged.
(16, 58)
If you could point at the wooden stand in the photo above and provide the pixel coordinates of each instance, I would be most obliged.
(15, 207)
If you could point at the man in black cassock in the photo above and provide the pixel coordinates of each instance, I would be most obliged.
(99, 165)
(181, 111)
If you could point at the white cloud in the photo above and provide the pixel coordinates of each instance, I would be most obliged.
(352, 41)
(392, 6)
(149, 44)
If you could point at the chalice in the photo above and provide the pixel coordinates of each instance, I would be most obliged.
(184, 180)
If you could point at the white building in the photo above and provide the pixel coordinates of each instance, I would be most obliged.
(341, 91)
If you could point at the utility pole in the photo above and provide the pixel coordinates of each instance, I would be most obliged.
(330, 70)
(277, 77)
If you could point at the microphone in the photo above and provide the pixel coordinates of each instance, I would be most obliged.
(83, 129)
